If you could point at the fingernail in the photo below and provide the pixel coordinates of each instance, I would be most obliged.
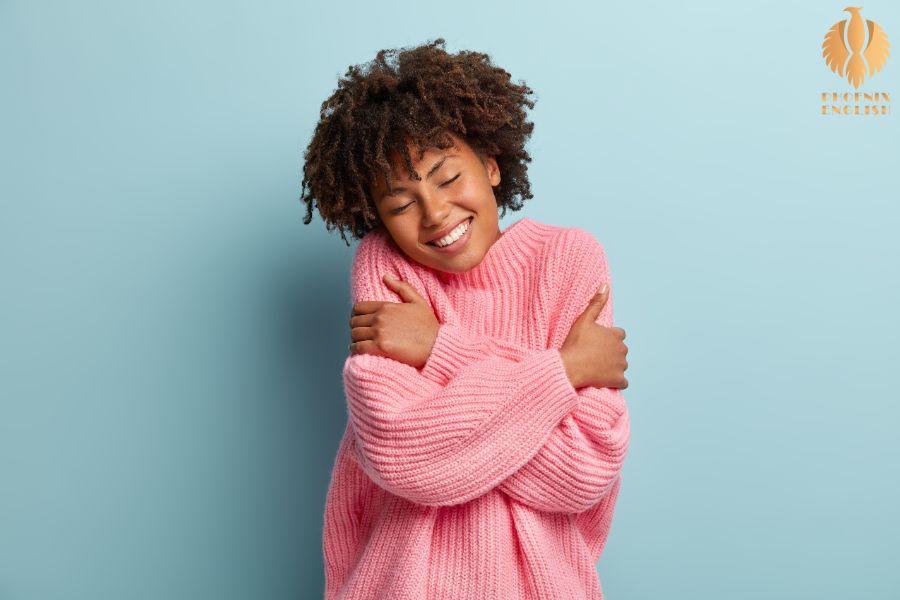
(390, 277)
(602, 289)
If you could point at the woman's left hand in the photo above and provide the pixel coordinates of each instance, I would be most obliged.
(404, 331)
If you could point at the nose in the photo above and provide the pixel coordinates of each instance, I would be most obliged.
(435, 211)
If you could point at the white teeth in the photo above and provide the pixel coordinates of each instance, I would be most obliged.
(453, 235)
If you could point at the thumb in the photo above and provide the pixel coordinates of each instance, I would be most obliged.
(405, 290)
(597, 303)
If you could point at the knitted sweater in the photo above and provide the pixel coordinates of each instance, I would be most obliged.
(483, 474)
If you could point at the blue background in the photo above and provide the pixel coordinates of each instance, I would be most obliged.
(172, 335)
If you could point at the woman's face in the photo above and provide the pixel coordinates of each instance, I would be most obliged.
(456, 187)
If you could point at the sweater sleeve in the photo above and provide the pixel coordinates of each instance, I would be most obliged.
(444, 444)
(582, 459)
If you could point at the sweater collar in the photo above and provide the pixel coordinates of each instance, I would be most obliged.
(503, 261)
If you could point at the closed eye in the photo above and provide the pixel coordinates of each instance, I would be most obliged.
(399, 210)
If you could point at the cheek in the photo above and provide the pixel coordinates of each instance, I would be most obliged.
(473, 196)
(407, 237)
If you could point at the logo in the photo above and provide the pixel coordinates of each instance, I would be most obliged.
(855, 48)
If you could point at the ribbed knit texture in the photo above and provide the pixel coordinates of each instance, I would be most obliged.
(484, 474)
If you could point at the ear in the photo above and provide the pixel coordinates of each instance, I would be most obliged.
(493, 171)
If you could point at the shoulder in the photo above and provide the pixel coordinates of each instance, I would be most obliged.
(572, 250)
(377, 255)
(376, 245)
(572, 264)
(578, 264)
(580, 246)
(378, 250)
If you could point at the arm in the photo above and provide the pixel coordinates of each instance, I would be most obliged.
(583, 456)
(581, 460)
(445, 444)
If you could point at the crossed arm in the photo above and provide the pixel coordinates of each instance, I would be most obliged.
(582, 457)
(484, 413)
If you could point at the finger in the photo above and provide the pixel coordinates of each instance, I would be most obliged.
(365, 347)
(362, 320)
(404, 289)
(361, 334)
(367, 306)
(357, 346)
(597, 302)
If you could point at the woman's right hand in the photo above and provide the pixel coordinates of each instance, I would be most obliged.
(594, 355)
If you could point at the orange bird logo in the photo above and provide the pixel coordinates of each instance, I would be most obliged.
(864, 39)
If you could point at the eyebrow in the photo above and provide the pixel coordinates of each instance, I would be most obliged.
(431, 172)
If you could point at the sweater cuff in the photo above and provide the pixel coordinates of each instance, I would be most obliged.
(546, 386)
(453, 348)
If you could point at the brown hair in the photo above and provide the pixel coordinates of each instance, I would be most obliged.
(378, 107)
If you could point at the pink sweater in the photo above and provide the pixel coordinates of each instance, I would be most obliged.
(484, 474)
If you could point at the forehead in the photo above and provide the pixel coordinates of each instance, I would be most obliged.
(423, 163)
(398, 174)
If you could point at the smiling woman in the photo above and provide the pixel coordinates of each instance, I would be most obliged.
(448, 219)
(486, 431)
(427, 99)
(475, 463)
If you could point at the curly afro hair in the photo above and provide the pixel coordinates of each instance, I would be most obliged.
(379, 108)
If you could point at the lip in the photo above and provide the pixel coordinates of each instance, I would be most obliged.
(458, 244)
(444, 232)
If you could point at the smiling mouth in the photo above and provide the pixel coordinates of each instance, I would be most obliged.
(467, 222)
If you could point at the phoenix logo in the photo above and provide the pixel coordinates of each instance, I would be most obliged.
(857, 40)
